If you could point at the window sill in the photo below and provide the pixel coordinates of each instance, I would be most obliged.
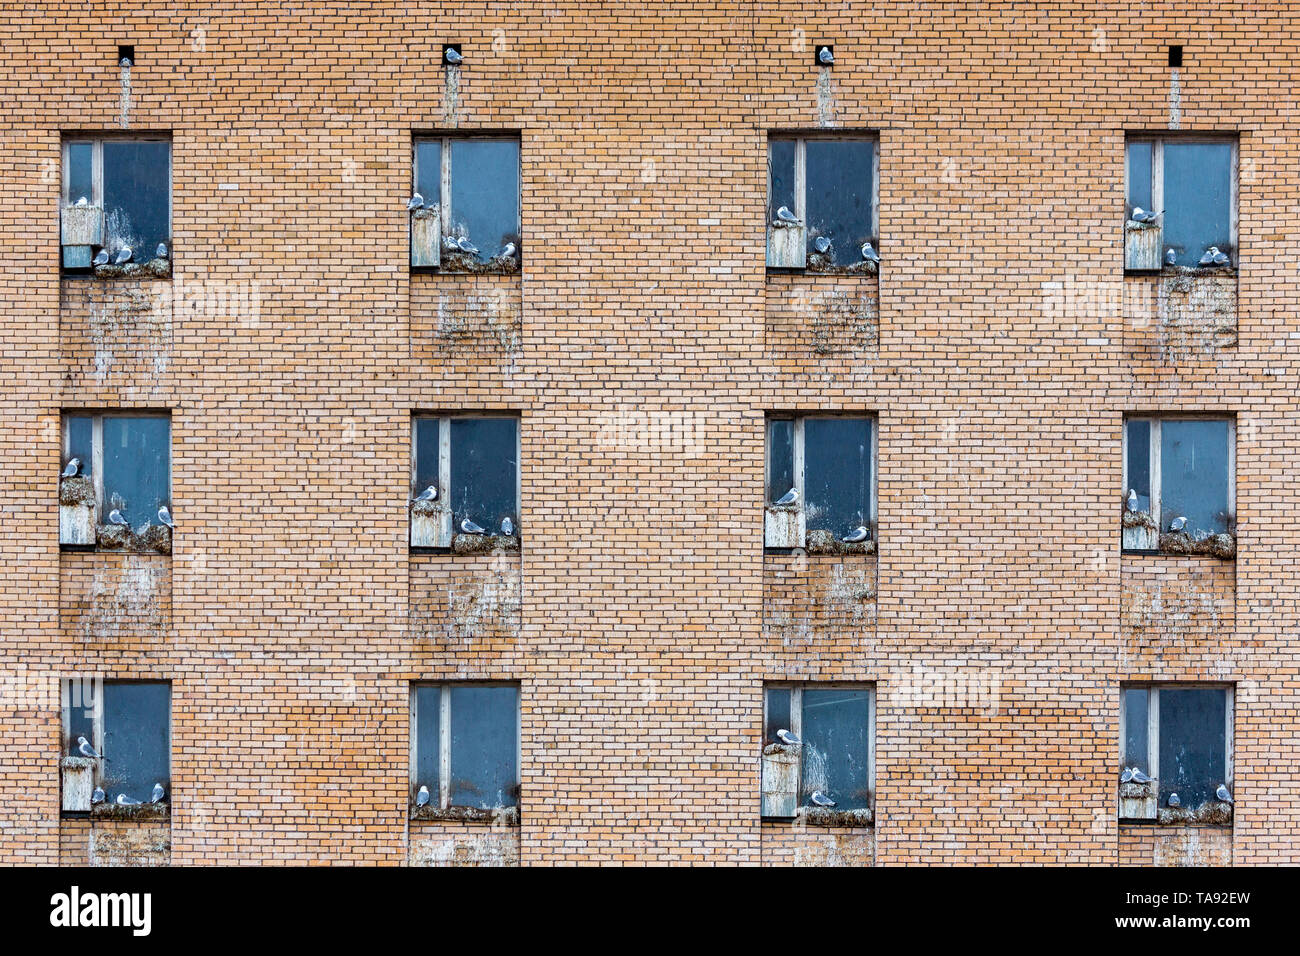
(500, 816)
(1181, 544)
(1191, 272)
(827, 817)
(144, 813)
(863, 268)
(462, 265)
(153, 269)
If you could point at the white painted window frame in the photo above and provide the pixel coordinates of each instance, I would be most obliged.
(444, 732)
(1157, 141)
(1154, 464)
(444, 453)
(97, 448)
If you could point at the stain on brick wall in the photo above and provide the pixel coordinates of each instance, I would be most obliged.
(1175, 846)
(471, 602)
(117, 597)
(462, 844)
(1181, 316)
(794, 844)
(478, 317)
(812, 596)
(821, 314)
(87, 842)
(1174, 609)
(116, 332)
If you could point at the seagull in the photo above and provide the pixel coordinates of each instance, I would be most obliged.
(1210, 255)
(1221, 258)
(1171, 257)
(123, 256)
(428, 494)
(1132, 500)
(158, 793)
(422, 797)
(1127, 775)
(1178, 524)
(787, 738)
(507, 526)
(869, 253)
(86, 750)
(789, 498)
(825, 56)
(82, 201)
(102, 258)
(508, 252)
(822, 244)
(470, 527)
(71, 470)
(1174, 801)
(785, 215)
(1223, 794)
(451, 56)
(165, 516)
(860, 533)
(1143, 215)
(97, 795)
(821, 800)
(414, 203)
(465, 245)
(124, 801)
(115, 517)
(1140, 777)
(161, 251)
(125, 61)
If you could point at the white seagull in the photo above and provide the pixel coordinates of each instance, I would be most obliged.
(414, 203)
(1171, 257)
(86, 750)
(422, 797)
(860, 533)
(451, 56)
(97, 795)
(1132, 500)
(509, 251)
(1221, 258)
(1174, 800)
(428, 494)
(161, 251)
(822, 244)
(469, 527)
(124, 801)
(1127, 775)
(165, 516)
(789, 498)
(821, 800)
(1209, 256)
(507, 526)
(158, 793)
(787, 738)
(785, 215)
(1178, 524)
(825, 56)
(123, 256)
(71, 469)
(465, 245)
(102, 258)
(1140, 777)
(115, 517)
(1223, 794)
(83, 201)
(1143, 215)
(869, 253)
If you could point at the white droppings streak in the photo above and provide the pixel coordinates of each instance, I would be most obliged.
(124, 108)
(1175, 101)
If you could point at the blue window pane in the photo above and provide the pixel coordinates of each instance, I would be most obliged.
(137, 196)
(484, 742)
(776, 713)
(1139, 176)
(426, 453)
(485, 193)
(1194, 475)
(428, 710)
(837, 473)
(1193, 744)
(137, 466)
(1198, 196)
(781, 159)
(81, 430)
(79, 712)
(484, 471)
(836, 725)
(1139, 461)
(1136, 749)
(428, 170)
(780, 457)
(81, 176)
(137, 739)
(838, 178)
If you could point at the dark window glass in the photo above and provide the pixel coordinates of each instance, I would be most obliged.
(1193, 744)
(428, 715)
(484, 470)
(781, 159)
(836, 724)
(428, 170)
(81, 176)
(137, 196)
(776, 714)
(137, 739)
(1139, 462)
(839, 190)
(837, 473)
(426, 453)
(81, 441)
(79, 712)
(1198, 197)
(484, 742)
(1139, 176)
(1194, 475)
(137, 466)
(485, 193)
(1135, 729)
(780, 458)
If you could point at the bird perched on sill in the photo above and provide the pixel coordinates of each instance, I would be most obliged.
(820, 799)
(71, 468)
(789, 498)
(784, 215)
(787, 738)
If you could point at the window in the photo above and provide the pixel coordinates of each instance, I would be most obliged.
(822, 202)
(819, 752)
(466, 747)
(1179, 484)
(1181, 202)
(821, 483)
(1176, 746)
(121, 481)
(465, 482)
(117, 197)
(128, 723)
(469, 186)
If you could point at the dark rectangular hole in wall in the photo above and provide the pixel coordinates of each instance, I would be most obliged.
(1175, 56)
(126, 52)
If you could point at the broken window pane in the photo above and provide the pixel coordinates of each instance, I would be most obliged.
(1139, 176)
(1198, 197)
(1139, 461)
(81, 172)
(780, 457)
(81, 441)
(137, 466)
(137, 196)
(484, 470)
(1193, 744)
(1194, 475)
(485, 193)
(426, 453)
(776, 714)
(428, 170)
(837, 473)
(428, 728)
(781, 160)
(839, 192)
(1136, 749)
(484, 742)
(836, 724)
(137, 739)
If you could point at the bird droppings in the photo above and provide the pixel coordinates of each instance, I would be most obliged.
(823, 264)
(462, 845)
(153, 269)
(1138, 519)
(840, 322)
(827, 542)
(456, 260)
(149, 539)
(143, 812)
(497, 816)
(484, 543)
(1222, 546)
(1210, 813)
(77, 490)
(123, 597)
(831, 817)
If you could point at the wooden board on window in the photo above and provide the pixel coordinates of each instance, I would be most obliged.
(83, 226)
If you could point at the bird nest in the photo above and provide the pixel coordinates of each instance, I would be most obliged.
(1137, 791)
(456, 260)
(498, 816)
(151, 539)
(1180, 542)
(484, 543)
(1209, 813)
(1139, 519)
(822, 264)
(76, 490)
(153, 269)
(832, 817)
(1132, 225)
(780, 750)
(827, 542)
(428, 509)
(144, 812)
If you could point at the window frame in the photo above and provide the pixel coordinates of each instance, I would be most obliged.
(1153, 689)
(445, 171)
(801, 139)
(445, 688)
(799, 460)
(97, 448)
(1154, 421)
(96, 141)
(1157, 141)
(97, 721)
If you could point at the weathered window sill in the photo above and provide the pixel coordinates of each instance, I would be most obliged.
(497, 816)
(153, 269)
(1181, 544)
(826, 542)
(145, 812)
(820, 265)
(151, 539)
(827, 817)
(459, 263)
(1186, 272)
(484, 543)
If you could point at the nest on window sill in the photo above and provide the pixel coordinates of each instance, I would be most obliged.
(821, 264)
(484, 543)
(151, 539)
(153, 269)
(456, 261)
(76, 490)
(143, 812)
(831, 817)
(1139, 519)
(1132, 225)
(780, 750)
(1210, 813)
(77, 763)
(827, 542)
(497, 816)
(1137, 791)
(428, 509)
(1180, 542)
(1194, 272)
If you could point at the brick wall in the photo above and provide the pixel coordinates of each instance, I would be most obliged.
(1003, 359)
